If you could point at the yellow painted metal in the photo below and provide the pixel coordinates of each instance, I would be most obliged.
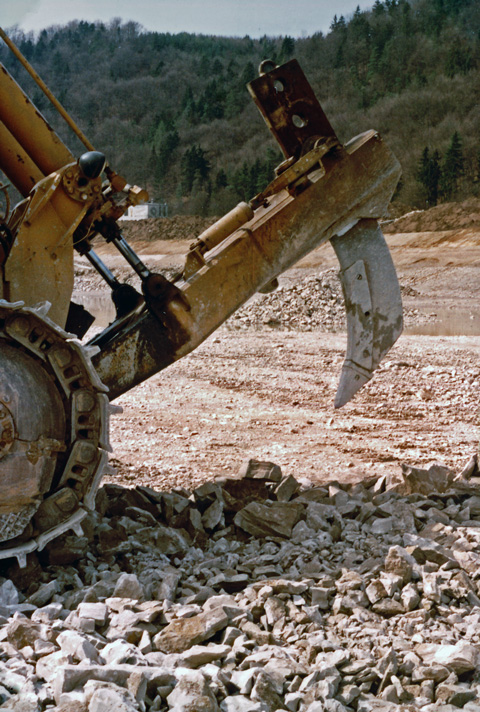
(29, 128)
(40, 264)
(15, 162)
(215, 234)
(227, 224)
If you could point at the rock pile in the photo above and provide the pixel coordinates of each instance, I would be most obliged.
(313, 303)
(87, 279)
(179, 227)
(254, 594)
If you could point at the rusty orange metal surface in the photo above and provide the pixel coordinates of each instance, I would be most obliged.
(290, 108)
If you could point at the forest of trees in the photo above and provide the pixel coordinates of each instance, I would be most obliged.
(172, 114)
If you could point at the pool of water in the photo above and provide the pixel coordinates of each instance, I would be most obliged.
(449, 322)
(99, 304)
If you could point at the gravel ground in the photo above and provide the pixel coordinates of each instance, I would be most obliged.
(254, 593)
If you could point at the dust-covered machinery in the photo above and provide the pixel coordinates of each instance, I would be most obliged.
(55, 390)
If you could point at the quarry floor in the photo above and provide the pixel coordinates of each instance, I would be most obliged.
(268, 394)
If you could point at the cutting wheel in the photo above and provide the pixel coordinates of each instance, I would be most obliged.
(54, 415)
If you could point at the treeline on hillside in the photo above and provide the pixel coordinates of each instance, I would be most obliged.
(172, 113)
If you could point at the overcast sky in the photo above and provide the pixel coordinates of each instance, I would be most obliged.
(256, 18)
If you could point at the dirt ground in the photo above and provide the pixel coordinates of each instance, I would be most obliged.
(268, 394)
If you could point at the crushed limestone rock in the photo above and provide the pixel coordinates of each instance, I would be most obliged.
(312, 304)
(334, 598)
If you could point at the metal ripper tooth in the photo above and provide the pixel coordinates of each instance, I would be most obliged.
(372, 302)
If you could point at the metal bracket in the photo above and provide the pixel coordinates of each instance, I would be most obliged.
(293, 175)
(291, 110)
(78, 187)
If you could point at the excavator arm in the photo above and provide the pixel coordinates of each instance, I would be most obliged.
(286, 226)
(322, 191)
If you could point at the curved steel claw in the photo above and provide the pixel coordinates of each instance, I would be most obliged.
(372, 301)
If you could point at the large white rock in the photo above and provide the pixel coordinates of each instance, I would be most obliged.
(458, 658)
(128, 586)
(240, 703)
(192, 692)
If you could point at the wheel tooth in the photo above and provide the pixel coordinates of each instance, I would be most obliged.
(91, 351)
(115, 409)
(94, 377)
(42, 308)
(103, 469)
(12, 306)
(22, 561)
(72, 523)
(104, 439)
(19, 553)
(77, 529)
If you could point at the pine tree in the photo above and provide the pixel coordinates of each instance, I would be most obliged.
(407, 21)
(248, 74)
(359, 27)
(241, 181)
(211, 104)
(338, 24)
(429, 175)
(374, 61)
(452, 168)
(165, 142)
(434, 177)
(391, 5)
(287, 49)
(195, 168)
(378, 8)
(221, 180)
(189, 106)
(269, 50)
